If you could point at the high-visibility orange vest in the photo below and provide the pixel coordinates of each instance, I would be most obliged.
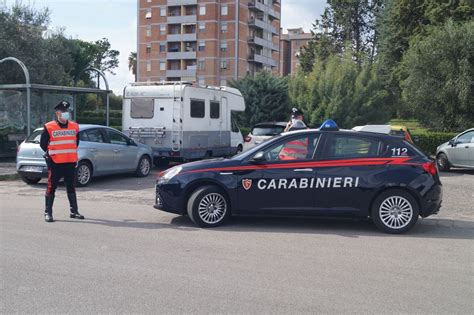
(294, 150)
(62, 147)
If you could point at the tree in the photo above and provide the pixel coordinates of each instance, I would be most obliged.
(339, 89)
(266, 98)
(132, 63)
(439, 73)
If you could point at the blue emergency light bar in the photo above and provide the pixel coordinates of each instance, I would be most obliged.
(329, 124)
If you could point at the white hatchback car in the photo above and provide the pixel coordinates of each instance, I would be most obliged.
(457, 152)
(262, 132)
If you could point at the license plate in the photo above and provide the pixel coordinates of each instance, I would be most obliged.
(33, 169)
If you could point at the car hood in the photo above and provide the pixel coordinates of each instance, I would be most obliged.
(205, 164)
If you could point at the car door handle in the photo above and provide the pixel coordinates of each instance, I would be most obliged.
(226, 173)
(116, 151)
(303, 169)
(93, 150)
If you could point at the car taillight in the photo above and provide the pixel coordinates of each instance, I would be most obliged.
(248, 139)
(430, 168)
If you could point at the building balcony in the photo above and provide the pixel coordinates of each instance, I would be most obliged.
(182, 19)
(171, 55)
(258, 6)
(181, 2)
(189, 72)
(257, 58)
(263, 25)
(263, 43)
(181, 37)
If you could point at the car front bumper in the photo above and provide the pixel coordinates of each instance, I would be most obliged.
(166, 200)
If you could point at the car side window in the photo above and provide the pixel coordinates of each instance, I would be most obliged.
(468, 137)
(299, 148)
(116, 138)
(83, 136)
(349, 147)
(94, 135)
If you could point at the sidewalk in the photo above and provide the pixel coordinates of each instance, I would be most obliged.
(8, 170)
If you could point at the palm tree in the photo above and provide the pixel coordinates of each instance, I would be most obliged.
(132, 63)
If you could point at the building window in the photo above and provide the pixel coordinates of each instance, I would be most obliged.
(223, 64)
(215, 107)
(197, 109)
(148, 14)
(162, 11)
(224, 27)
(202, 10)
(142, 108)
(224, 9)
(201, 81)
(201, 64)
(223, 82)
(149, 1)
(162, 65)
(223, 46)
(162, 29)
(202, 46)
(148, 31)
(162, 47)
(148, 66)
(148, 48)
(202, 27)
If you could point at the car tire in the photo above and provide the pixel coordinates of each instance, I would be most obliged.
(395, 211)
(83, 174)
(30, 180)
(443, 162)
(160, 162)
(143, 167)
(208, 206)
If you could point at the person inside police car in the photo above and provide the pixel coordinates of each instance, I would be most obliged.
(60, 139)
(296, 122)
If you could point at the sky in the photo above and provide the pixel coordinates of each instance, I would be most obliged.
(116, 20)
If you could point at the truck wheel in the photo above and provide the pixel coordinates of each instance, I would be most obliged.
(208, 206)
(160, 162)
(443, 162)
(30, 180)
(143, 167)
(395, 211)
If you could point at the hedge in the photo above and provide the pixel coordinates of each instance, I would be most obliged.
(91, 113)
(428, 142)
(99, 121)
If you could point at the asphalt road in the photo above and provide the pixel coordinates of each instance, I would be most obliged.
(127, 257)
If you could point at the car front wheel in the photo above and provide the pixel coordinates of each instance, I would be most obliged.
(208, 206)
(443, 162)
(83, 174)
(144, 167)
(395, 211)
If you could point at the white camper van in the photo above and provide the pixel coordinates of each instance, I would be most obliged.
(183, 121)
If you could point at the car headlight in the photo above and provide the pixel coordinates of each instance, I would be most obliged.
(169, 174)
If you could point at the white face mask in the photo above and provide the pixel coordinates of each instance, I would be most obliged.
(65, 116)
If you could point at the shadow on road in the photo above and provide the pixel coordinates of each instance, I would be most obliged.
(456, 172)
(443, 229)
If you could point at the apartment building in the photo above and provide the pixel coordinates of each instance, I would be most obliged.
(207, 41)
(290, 48)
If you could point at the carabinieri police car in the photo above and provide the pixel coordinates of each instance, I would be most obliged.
(324, 171)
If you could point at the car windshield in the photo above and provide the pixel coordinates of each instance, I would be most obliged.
(34, 137)
(255, 149)
(267, 130)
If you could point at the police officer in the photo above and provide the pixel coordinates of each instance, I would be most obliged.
(59, 140)
(296, 121)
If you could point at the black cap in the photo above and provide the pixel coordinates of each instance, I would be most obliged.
(62, 106)
(295, 112)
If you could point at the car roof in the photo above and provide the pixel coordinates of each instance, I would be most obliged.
(343, 131)
(274, 123)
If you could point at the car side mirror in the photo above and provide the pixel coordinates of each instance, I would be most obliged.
(131, 142)
(452, 143)
(258, 158)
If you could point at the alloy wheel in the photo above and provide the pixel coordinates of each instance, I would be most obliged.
(396, 212)
(212, 208)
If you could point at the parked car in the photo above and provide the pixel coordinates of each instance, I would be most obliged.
(263, 131)
(457, 152)
(102, 151)
(397, 131)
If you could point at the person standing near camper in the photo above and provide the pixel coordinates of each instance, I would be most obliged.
(59, 140)
(296, 122)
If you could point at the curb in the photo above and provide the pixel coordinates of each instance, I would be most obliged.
(448, 223)
(5, 177)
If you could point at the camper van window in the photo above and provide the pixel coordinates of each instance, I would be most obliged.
(142, 108)
(235, 128)
(197, 109)
(215, 106)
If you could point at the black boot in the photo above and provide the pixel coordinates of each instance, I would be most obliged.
(48, 211)
(73, 206)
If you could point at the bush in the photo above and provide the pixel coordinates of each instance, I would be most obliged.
(245, 131)
(428, 142)
(99, 121)
(93, 113)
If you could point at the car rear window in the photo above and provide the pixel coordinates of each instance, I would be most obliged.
(267, 130)
(34, 137)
